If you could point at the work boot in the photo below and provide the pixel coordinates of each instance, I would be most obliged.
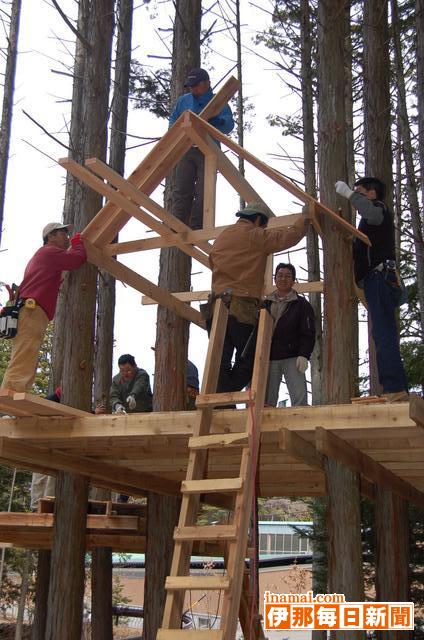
(396, 396)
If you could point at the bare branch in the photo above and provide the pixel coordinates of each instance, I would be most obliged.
(80, 37)
(45, 130)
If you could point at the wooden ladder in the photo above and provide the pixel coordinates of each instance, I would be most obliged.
(235, 602)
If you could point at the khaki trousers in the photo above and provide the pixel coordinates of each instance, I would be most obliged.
(41, 486)
(20, 373)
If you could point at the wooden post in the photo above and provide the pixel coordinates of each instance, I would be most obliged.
(64, 613)
(344, 536)
(209, 190)
(41, 595)
(101, 594)
(101, 584)
(392, 553)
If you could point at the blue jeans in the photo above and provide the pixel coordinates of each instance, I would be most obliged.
(382, 301)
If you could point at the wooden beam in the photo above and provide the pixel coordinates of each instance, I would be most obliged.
(95, 522)
(171, 223)
(332, 446)
(416, 409)
(276, 176)
(192, 237)
(377, 422)
(301, 449)
(224, 164)
(21, 403)
(100, 473)
(138, 282)
(198, 296)
(128, 206)
(157, 164)
(209, 190)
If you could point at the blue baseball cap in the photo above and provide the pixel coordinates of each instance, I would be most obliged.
(195, 76)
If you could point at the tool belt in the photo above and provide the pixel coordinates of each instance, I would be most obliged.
(244, 309)
(9, 316)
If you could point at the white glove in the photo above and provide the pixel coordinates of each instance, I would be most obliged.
(302, 363)
(343, 189)
(118, 408)
(131, 402)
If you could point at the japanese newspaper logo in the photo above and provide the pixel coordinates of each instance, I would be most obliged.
(331, 611)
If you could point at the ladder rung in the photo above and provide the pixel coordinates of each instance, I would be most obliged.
(232, 397)
(190, 634)
(217, 485)
(197, 583)
(218, 440)
(206, 532)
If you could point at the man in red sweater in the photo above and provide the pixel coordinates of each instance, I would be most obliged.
(38, 294)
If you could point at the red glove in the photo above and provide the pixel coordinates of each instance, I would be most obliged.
(76, 240)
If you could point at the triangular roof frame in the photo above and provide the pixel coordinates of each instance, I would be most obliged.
(127, 198)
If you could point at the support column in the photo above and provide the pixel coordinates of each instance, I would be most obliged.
(41, 595)
(345, 573)
(392, 553)
(101, 594)
(67, 563)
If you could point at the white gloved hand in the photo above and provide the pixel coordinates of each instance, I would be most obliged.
(343, 189)
(302, 363)
(131, 402)
(118, 408)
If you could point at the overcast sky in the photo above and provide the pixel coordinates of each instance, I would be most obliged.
(35, 186)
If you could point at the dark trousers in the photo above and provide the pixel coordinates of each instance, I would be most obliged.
(383, 299)
(187, 198)
(236, 377)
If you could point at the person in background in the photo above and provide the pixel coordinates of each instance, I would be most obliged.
(293, 338)
(187, 195)
(42, 485)
(130, 391)
(37, 296)
(192, 382)
(376, 272)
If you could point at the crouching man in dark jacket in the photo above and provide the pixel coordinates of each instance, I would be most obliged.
(293, 338)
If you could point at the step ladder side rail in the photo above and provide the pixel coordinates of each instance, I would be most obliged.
(243, 503)
(196, 468)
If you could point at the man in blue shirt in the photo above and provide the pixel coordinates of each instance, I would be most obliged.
(187, 196)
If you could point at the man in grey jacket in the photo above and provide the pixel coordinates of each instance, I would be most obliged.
(130, 391)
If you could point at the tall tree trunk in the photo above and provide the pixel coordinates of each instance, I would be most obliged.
(38, 631)
(102, 623)
(8, 95)
(22, 598)
(312, 247)
(332, 160)
(240, 101)
(350, 160)
(344, 543)
(171, 342)
(392, 553)
(417, 222)
(419, 22)
(73, 194)
(67, 564)
(377, 121)
(118, 134)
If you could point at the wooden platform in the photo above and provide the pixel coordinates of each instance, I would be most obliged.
(135, 453)
(120, 526)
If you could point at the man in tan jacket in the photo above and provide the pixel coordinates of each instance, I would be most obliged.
(238, 262)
